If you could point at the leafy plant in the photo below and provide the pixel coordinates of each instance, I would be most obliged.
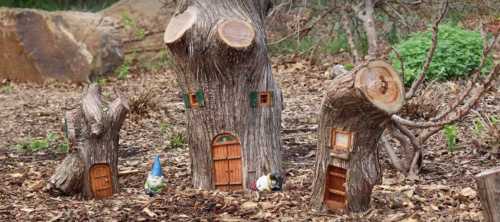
(177, 141)
(290, 46)
(37, 144)
(337, 44)
(6, 89)
(478, 127)
(64, 147)
(124, 70)
(458, 52)
(450, 133)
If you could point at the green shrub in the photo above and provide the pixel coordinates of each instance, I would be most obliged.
(291, 45)
(458, 52)
(53, 5)
(337, 44)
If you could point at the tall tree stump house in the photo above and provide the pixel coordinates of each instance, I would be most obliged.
(351, 123)
(233, 105)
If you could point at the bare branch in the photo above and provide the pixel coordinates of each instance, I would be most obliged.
(366, 15)
(401, 61)
(395, 160)
(458, 113)
(430, 54)
(350, 38)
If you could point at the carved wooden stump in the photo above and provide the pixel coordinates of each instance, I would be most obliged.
(91, 167)
(233, 105)
(352, 113)
(488, 185)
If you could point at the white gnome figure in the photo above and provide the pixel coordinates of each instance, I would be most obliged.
(155, 182)
(270, 182)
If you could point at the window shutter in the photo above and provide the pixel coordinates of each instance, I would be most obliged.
(254, 96)
(185, 97)
(200, 96)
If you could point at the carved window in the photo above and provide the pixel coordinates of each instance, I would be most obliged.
(194, 100)
(341, 143)
(262, 99)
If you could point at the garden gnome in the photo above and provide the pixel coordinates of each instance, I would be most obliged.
(155, 182)
(270, 182)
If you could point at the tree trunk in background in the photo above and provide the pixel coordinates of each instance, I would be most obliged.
(351, 117)
(488, 185)
(226, 78)
(35, 44)
(93, 134)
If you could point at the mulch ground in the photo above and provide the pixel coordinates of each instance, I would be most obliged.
(445, 190)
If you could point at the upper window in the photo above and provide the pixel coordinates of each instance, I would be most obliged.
(194, 100)
(341, 142)
(261, 99)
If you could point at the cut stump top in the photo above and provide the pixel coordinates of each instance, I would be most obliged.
(236, 33)
(381, 85)
(179, 24)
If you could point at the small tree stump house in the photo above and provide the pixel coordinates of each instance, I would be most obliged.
(347, 163)
(92, 130)
(232, 102)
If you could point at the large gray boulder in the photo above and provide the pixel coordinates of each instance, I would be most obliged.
(36, 45)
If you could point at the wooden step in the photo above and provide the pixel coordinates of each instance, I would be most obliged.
(338, 192)
(335, 174)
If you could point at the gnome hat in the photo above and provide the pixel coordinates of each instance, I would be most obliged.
(156, 170)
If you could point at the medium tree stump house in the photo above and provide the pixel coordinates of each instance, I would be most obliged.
(233, 105)
(351, 123)
(92, 130)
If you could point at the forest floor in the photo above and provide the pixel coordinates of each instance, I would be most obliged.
(445, 190)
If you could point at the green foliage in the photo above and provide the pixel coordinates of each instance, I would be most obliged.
(478, 127)
(457, 54)
(348, 66)
(290, 46)
(337, 44)
(64, 147)
(131, 24)
(124, 70)
(53, 5)
(6, 89)
(160, 61)
(450, 133)
(177, 141)
(38, 144)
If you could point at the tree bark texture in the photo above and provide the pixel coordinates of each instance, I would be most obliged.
(488, 185)
(93, 134)
(220, 49)
(357, 103)
(36, 45)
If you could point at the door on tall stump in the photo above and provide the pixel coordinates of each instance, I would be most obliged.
(226, 153)
(101, 180)
(335, 192)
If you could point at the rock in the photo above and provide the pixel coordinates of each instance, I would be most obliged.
(65, 45)
(468, 192)
(143, 25)
(249, 206)
(267, 205)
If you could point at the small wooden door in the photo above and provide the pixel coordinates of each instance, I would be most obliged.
(335, 196)
(226, 153)
(101, 180)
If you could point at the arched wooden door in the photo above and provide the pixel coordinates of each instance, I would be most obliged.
(101, 180)
(226, 153)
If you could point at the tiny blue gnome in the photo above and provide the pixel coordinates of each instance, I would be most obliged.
(155, 182)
